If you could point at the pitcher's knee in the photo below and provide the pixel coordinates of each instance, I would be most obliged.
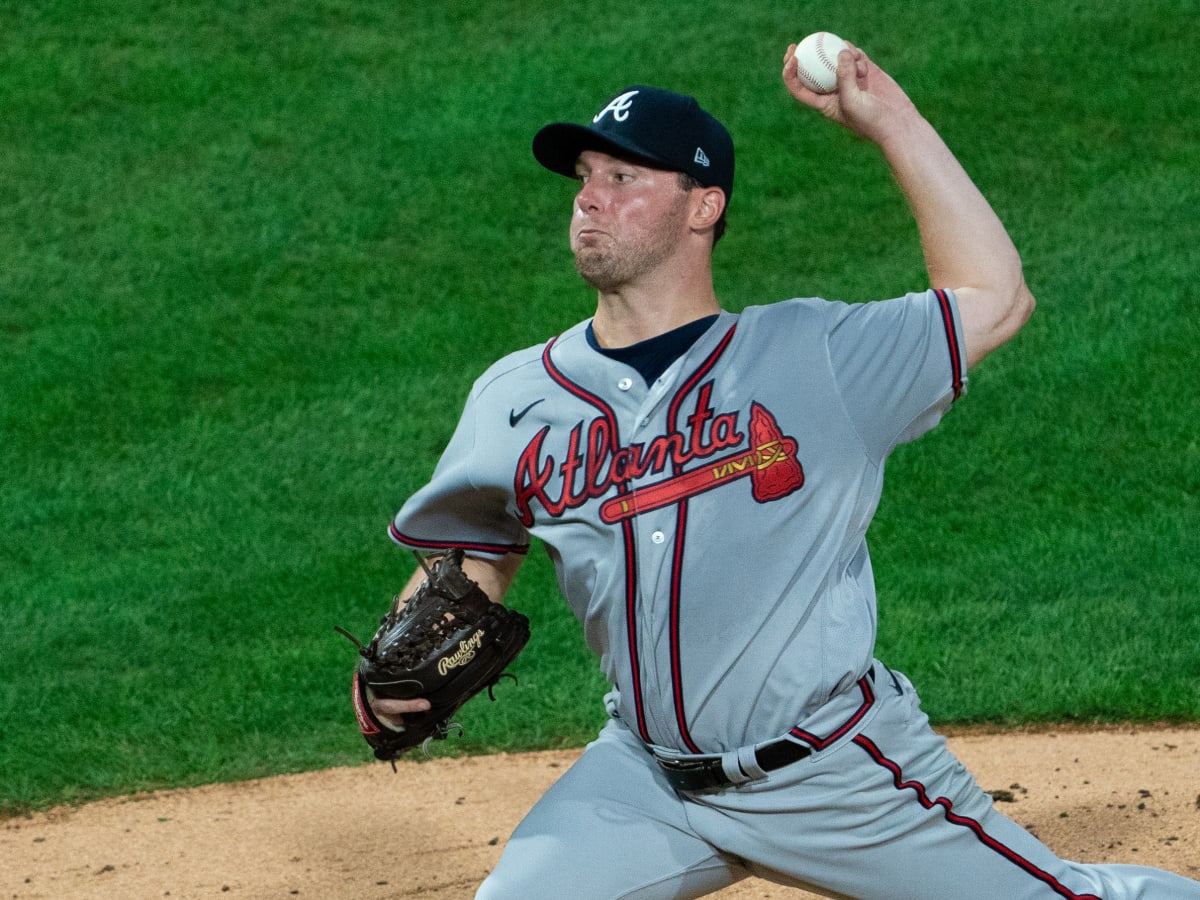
(516, 883)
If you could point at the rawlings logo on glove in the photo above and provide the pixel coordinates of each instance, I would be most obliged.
(446, 644)
(466, 653)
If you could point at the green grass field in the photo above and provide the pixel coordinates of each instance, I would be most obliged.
(253, 256)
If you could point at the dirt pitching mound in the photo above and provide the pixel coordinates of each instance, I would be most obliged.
(1117, 795)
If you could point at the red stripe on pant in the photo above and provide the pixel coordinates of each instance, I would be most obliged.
(953, 818)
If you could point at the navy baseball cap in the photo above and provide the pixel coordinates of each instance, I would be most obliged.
(650, 126)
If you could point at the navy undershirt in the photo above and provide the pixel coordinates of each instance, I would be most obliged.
(654, 356)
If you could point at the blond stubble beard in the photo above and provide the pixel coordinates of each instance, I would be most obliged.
(623, 262)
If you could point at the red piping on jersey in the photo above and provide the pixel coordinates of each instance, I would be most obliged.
(956, 372)
(631, 638)
(873, 751)
(820, 743)
(680, 540)
(467, 547)
(676, 652)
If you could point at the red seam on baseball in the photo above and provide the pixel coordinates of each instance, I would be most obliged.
(823, 55)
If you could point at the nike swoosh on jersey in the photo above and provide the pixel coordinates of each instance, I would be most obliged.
(515, 417)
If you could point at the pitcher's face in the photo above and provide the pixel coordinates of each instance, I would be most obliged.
(627, 219)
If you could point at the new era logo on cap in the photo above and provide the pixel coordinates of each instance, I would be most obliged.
(647, 125)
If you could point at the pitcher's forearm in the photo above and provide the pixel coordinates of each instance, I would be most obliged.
(964, 242)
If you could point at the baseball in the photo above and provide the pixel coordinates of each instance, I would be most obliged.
(817, 59)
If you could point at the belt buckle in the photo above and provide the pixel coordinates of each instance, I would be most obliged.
(694, 774)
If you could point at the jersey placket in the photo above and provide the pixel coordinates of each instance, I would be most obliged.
(660, 546)
(653, 535)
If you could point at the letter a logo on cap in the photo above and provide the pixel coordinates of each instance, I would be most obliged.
(619, 107)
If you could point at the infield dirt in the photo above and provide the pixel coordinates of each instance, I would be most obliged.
(435, 829)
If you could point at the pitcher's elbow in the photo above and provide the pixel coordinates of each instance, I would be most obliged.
(1022, 306)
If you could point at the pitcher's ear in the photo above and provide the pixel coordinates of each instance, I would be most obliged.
(710, 206)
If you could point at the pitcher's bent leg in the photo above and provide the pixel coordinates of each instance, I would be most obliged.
(889, 813)
(610, 828)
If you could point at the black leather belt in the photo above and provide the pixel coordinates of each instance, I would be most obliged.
(707, 773)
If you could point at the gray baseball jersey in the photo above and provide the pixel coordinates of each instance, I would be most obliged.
(708, 528)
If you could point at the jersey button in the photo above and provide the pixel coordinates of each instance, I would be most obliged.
(658, 537)
(625, 384)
